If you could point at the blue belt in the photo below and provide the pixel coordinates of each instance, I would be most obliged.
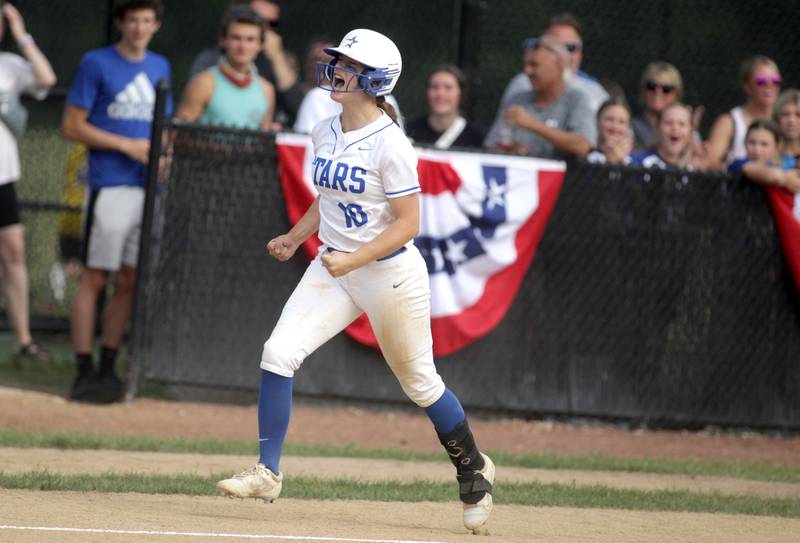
(393, 254)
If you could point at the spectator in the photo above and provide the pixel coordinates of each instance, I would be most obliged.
(317, 104)
(567, 28)
(761, 82)
(232, 93)
(614, 137)
(30, 73)
(764, 163)
(272, 62)
(315, 53)
(661, 86)
(444, 126)
(550, 121)
(787, 115)
(674, 148)
(109, 109)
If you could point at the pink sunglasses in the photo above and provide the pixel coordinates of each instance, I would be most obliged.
(762, 81)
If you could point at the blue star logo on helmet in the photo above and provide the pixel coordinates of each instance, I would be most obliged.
(352, 41)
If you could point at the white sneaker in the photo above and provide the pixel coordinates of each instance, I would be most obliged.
(256, 482)
(476, 515)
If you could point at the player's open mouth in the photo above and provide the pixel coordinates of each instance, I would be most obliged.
(338, 82)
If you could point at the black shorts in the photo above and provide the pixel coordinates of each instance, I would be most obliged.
(9, 207)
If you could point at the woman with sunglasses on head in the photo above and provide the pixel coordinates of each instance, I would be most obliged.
(661, 86)
(367, 213)
(761, 82)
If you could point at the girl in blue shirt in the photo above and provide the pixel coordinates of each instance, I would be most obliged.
(764, 163)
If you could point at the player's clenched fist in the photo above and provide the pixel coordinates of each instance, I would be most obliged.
(338, 263)
(282, 247)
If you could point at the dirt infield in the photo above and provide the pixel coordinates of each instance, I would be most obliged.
(36, 516)
(314, 521)
(382, 429)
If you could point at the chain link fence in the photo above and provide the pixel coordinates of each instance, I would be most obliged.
(706, 40)
(654, 297)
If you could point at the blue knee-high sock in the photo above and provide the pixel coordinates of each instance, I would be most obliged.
(446, 413)
(274, 409)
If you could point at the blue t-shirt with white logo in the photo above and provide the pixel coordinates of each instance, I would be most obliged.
(119, 95)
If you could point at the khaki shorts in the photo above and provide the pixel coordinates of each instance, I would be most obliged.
(112, 222)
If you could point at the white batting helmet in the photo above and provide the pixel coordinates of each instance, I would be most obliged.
(376, 52)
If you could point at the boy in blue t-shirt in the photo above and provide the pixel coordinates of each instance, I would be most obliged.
(109, 109)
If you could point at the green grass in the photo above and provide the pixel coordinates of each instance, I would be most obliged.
(56, 375)
(53, 376)
(554, 495)
(761, 472)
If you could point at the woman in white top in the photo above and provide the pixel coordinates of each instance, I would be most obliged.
(761, 82)
(33, 75)
(367, 214)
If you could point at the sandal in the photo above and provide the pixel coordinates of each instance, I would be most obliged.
(32, 351)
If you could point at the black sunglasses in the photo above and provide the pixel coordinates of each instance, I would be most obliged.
(652, 86)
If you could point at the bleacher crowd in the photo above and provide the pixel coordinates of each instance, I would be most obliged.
(551, 109)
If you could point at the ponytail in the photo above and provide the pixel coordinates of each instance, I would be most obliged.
(381, 102)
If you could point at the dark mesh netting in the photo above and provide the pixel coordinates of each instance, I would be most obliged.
(210, 285)
(654, 296)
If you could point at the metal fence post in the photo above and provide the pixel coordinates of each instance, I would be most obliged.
(139, 306)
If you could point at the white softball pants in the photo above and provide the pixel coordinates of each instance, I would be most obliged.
(395, 295)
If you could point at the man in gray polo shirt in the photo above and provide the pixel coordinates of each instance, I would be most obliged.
(550, 121)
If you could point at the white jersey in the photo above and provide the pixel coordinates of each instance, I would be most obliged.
(317, 105)
(356, 173)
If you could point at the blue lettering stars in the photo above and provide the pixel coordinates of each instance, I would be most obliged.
(339, 176)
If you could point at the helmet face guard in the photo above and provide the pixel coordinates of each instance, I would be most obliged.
(373, 82)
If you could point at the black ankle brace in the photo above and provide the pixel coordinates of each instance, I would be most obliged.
(461, 448)
(465, 456)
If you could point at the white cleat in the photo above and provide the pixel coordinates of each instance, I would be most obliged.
(257, 482)
(476, 515)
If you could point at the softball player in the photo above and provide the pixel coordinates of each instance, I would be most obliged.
(367, 214)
